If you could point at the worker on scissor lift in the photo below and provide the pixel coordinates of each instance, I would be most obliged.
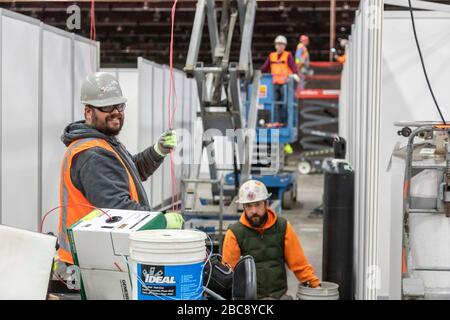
(302, 60)
(281, 64)
(340, 55)
(270, 240)
(97, 170)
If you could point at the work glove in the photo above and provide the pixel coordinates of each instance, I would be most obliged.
(296, 77)
(166, 142)
(174, 220)
(288, 149)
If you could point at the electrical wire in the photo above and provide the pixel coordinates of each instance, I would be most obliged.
(172, 91)
(67, 206)
(93, 36)
(423, 63)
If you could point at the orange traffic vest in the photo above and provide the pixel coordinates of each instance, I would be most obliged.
(74, 204)
(279, 67)
(341, 59)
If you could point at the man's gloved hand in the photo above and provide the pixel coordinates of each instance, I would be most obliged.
(296, 77)
(313, 284)
(174, 220)
(166, 142)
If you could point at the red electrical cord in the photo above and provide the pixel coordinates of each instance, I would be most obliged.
(172, 91)
(66, 206)
(93, 35)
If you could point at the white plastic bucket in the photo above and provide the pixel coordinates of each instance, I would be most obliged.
(327, 291)
(169, 264)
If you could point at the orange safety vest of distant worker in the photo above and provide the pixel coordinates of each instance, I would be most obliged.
(341, 59)
(279, 67)
(74, 205)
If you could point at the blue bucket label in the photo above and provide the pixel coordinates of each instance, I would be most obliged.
(179, 282)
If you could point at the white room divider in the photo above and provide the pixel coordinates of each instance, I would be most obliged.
(41, 73)
(147, 89)
(359, 124)
(368, 112)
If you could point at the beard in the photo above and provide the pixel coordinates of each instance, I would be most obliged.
(256, 221)
(111, 126)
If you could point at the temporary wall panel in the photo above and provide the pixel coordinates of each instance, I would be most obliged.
(359, 124)
(145, 119)
(367, 121)
(56, 113)
(20, 47)
(39, 88)
(154, 85)
(157, 128)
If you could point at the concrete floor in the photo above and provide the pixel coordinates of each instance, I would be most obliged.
(309, 231)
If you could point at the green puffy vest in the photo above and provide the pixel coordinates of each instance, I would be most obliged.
(267, 249)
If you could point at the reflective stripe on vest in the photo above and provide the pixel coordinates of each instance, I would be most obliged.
(279, 67)
(74, 204)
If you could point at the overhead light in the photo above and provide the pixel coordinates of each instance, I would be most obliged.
(145, 6)
(119, 28)
(284, 14)
(346, 6)
(343, 29)
(281, 7)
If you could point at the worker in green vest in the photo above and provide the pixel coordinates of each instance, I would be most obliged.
(270, 240)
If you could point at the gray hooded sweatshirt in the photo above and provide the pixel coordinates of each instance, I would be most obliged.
(100, 176)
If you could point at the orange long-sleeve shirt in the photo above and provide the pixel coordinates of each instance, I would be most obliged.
(294, 256)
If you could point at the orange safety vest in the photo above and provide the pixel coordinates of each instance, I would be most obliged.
(74, 204)
(341, 59)
(279, 67)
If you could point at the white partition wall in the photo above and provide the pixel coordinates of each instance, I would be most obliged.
(368, 124)
(38, 93)
(145, 99)
(20, 47)
(153, 81)
(359, 124)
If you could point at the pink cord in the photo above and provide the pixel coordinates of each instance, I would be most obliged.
(66, 206)
(93, 34)
(172, 91)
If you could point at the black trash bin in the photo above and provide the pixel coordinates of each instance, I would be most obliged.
(338, 222)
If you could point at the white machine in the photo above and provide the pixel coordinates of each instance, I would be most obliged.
(100, 245)
(426, 210)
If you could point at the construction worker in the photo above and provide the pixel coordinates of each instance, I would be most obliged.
(97, 170)
(340, 55)
(302, 58)
(280, 64)
(270, 240)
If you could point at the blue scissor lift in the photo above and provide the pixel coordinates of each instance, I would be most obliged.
(270, 137)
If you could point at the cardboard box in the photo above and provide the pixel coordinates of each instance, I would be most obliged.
(100, 246)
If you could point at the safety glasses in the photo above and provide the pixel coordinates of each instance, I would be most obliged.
(109, 109)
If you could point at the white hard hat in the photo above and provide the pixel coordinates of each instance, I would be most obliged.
(101, 89)
(281, 39)
(253, 191)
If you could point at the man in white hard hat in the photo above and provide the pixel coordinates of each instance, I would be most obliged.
(270, 240)
(97, 170)
(280, 64)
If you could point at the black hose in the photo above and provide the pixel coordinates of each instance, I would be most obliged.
(423, 64)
